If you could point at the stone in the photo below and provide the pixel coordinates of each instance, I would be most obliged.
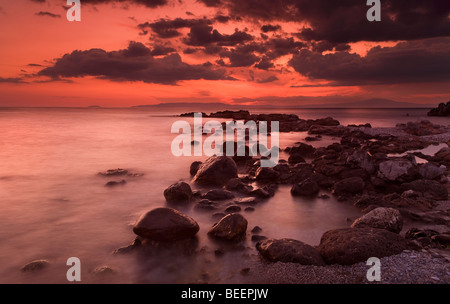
(295, 158)
(350, 246)
(349, 185)
(115, 183)
(193, 169)
(233, 209)
(431, 171)
(442, 110)
(236, 184)
(206, 204)
(218, 195)
(249, 201)
(308, 187)
(103, 270)
(266, 174)
(178, 193)
(165, 224)
(428, 188)
(114, 172)
(289, 251)
(258, 238)
(35, 265)
(392, 170)
(383, 218)
(231, 227)
(216, 170)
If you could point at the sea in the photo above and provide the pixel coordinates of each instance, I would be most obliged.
(54, 205)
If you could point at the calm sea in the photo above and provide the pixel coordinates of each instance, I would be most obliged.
(54, 205)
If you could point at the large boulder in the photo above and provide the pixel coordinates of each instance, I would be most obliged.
(395, 169)
(165, 224)
(306, 187)
(231, 227)
(289, 251)
(383, 218)
(178, 193)
(428, 188)
(431, 171)
(349, 246)
(218, 195)
(442, 110)
(266, 174)
(349, 185)
(216, 170)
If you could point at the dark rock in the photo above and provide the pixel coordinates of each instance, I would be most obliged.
(114, 172)
(249, 209)
(165, 224)
(265, 174)
(261, 193)
(289, 251)
(302, 150)
(129, 248)
(35, 265)
(421, 128)
(218, 195)
(308, 187)
(349, 185)
(231, 227)
(236, 184)
(233, 209)
(431, 171)
(256, 229)
(179, 192)
(295, 158)
(442, 110)
(194, 167)
(216, 170)
(206, 204)
(382, 218)
(219, 252)
(349, 246)
(443, 239)
(250, 201)
(428, 188)
(115, 183)
(103, 270)
(258, 238)
(396, 169)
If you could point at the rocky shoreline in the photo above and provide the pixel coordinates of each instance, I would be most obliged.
(404, 204)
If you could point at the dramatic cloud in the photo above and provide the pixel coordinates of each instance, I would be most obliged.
(166, 28)
(203, 34)
(270, 28)
(136, 63)
(147, 3)
(415, 61)
(48, 14)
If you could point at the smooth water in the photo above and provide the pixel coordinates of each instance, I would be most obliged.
(54, 205)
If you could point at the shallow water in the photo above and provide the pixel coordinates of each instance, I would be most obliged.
(54, 205)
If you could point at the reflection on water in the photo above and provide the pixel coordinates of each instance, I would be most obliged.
(54, 205)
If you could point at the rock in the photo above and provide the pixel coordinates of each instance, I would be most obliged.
(249, 201)
(218, 195)
(295, 158)
(179, 192)
(35, 265)
(383, 218)
(261, 193)
(233, 209)
(236, 184)
(258, 238)
(443, 239)
(206, 204)
(428, 188)
(232, 227)
(103, 270)
(194, 167)
(129, 248)
(115, 183)
(431, 171)
(361, 159)
(267, 174)
(114, 172)
(442, 110)
(249, 209)
(302, 150)
(289, 251)
(165, 224)
(421, 128)
(256, 229)
(308, 187)
(349, 246)
(216, 170)
(349, 185)
(392, 170)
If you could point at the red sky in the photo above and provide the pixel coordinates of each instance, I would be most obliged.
(134, 52)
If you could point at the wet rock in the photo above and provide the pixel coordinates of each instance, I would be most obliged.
(218, 195)
(302, 150)
(265, 174)
(421, 128)
(349, 246)
(35, 265)
(216, 170)
(103, 270)
(361, 159)
(256, 229)
(114, 172)
(431, 171)
(166, 225)
(179, 192)
(249, 209)
(115, 183)
(443, 239)
(231, 227)
(289, 251)
(261, 193)
(233, 209)
(308, 187)
(249, 201)
(295, 158)
(236, 184)
(258, 238)
(428, 188)
(194, 167)
(393, 170)
(382, 218)
(349, 185)
(206, 204)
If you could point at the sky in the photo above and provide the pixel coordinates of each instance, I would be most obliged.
(244, 52)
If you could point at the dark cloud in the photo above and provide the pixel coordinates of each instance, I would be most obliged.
(34, 65)
(324, 46)
(147, 3)
(414, 61)
(268, 79)
(265, 64)
(11, 80)
(135, 63)
(270, 28)
(48, 14)
(161, 50)
(167, 28)
(345, 21)
(203, 34)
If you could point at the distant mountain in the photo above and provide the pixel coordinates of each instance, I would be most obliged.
(379, 103)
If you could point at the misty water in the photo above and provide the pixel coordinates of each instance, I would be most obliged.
(54, 205)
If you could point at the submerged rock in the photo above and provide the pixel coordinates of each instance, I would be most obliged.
(35, 265)
(178, 193)
(307, 187)
(267, 174)
(289, 251)
(231, 227)
(383, 218)
(165, 224)
(218, 195)
(349, 246)
(216, 170)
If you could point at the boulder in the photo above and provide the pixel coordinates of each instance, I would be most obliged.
(266, 174)
(295, 158)
(289, 251)
(216, 170)
(35, 265)
(236, 184)
(206, 204)
(349, 185)
(165, 224)
(393, 170)
(383, 218)
(431, 171)
(442, 110)
(349, 246)
(429, 189)
(218, 195)
(307, 187)
(231, 227)
(194, 167)
(178, 193)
